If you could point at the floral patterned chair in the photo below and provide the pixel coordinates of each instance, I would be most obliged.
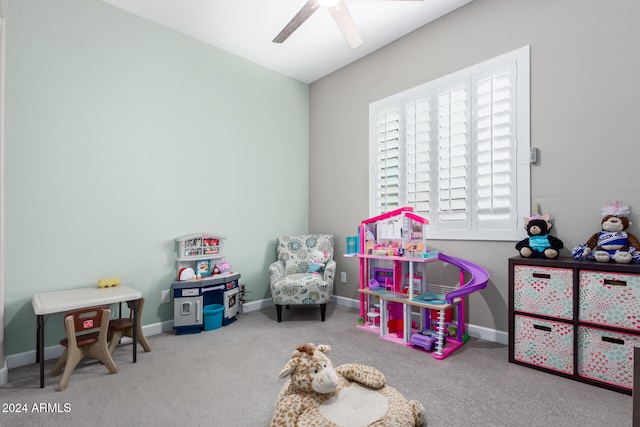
(290, 278)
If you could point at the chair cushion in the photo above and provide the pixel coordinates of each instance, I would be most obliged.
(301, 288)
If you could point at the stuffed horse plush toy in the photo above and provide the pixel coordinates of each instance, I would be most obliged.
(317, 395)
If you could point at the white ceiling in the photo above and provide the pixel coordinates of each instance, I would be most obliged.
(247, 27)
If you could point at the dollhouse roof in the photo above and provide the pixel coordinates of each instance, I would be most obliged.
(407, 211)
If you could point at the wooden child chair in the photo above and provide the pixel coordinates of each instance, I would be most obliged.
(87, 331)
(123, 327)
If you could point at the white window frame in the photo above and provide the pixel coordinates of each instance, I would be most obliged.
(509, 227)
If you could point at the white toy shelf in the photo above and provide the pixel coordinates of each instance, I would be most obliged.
(192, 247)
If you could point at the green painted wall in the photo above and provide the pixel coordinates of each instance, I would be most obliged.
(122, 135)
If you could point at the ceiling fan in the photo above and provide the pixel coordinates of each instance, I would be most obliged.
(338, 10)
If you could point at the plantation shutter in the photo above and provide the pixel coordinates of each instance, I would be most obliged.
(456, 150)
(387, 163)
(495, 147)
(418, 156)
(453, 158)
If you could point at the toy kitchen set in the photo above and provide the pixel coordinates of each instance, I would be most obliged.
(205, 284)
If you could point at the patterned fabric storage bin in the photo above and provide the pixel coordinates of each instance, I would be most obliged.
(606, 356)
(610, 299)
(543, 290)
(544, 343)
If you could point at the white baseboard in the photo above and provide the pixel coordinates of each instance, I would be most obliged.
(4, 374)
(256, 305)
(55, 351)
(346, 302)
(487, 334)
(29, 357)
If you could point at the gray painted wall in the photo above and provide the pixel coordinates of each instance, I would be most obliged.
(122, 135)
(585, 119)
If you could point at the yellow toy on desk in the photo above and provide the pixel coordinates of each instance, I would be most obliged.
(109, 282)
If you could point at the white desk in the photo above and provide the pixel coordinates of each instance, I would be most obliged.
(74, 299)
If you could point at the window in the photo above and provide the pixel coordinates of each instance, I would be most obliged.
(456, 149)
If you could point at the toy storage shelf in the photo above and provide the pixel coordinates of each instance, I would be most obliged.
(576, 319)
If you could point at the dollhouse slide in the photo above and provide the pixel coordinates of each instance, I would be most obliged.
(479, 277)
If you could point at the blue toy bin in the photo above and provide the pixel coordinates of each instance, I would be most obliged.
(212, 316)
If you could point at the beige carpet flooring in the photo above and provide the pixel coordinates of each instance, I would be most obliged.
(229, 377)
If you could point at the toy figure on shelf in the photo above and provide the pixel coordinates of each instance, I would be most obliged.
(612, 242)
(539, 244)
(225, 267)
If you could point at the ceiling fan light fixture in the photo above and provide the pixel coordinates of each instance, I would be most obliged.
(328, 3)
(338, 10)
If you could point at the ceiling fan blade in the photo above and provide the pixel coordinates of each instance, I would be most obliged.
(343, 18)
(302, 15)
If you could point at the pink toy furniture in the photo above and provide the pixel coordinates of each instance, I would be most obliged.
(393, 258)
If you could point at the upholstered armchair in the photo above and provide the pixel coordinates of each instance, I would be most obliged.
(290, 278)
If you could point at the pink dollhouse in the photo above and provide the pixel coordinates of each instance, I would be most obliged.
(393, 288)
